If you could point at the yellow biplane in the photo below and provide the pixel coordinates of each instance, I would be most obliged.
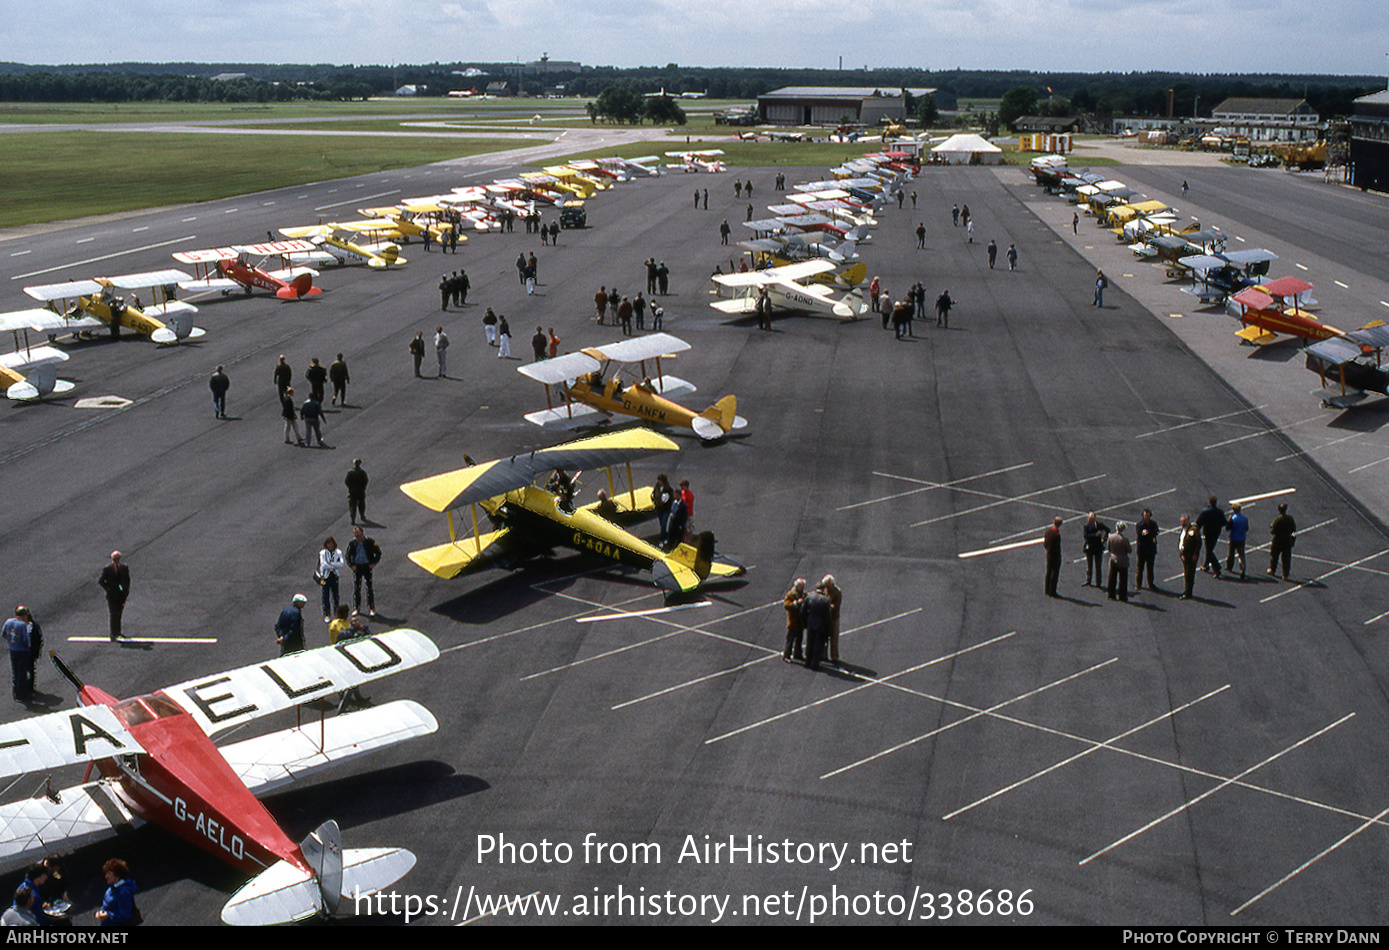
(585, 387)
(404, 223)
(528, 519)
(104, 299)
(322, 244)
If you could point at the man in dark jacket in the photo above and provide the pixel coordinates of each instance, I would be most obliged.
(356, 482)
(1051, 544)
(1284, 532)
(1211, 521)
(337, 375)
(815, 613)
(115, 580)
(219, 384)
(289, 628)
(362, 555)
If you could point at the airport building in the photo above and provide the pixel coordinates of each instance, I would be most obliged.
(1268, 120)
(839, 105)
(1369, 142)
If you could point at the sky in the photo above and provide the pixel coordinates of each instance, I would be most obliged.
(1344, 37)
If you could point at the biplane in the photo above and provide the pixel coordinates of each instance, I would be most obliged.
(784, 291)
(320, 244)
(1216, 277)
(528, 519)
(158, 763)
(698, 161)
(1279, 306)
(103, 300)
(31, 373)
(403, 223)
(589, 383)
(230, 268)
(1354, 362)
(790, 248)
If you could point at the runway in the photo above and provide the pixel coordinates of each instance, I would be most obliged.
(1157, 762)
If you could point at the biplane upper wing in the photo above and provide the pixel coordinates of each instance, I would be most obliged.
(220, 701)
(153, 278)
(46, 321)
(480, 482)
(68, 290)
(787, 273)
(63, 738)
(638, 348)
(559, 369)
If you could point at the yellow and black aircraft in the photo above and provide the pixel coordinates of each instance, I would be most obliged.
(528, 519)
(103, 300)
(584, 391)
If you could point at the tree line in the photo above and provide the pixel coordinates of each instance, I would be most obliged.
(1105, 94)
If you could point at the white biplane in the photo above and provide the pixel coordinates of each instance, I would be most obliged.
(698, 161)
(784, 291)
(158, 763)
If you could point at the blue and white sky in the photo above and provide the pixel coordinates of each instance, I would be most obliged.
(1248, 36)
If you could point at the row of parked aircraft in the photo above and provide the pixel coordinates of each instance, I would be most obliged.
(1349, 363)
(814, 232)
(285, 268)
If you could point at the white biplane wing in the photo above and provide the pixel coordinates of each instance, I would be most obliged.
(561, 368)
(46, 321)
(787, 273)
(223, 700)
(68, 290)
(63, 738)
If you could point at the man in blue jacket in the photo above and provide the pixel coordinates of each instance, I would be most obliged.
(1238, 526)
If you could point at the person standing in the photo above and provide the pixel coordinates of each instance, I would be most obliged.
(662, 279)
(1238, 525)
(836, 598)
(461, 285)
(521, 264)
(1101, 282)
(662, 496)
(337, 375)
(441, 347)
(955, 216)
(539, 342)
(417, 352)
(706, 199)
(219, 384)
(330, 565)
(1119, 563)
(532, 269)
(356, 482)
(993, 252)
(639, 310)
(875, 287)
(921, 235)
(283, 376)
(363, 555)
(1284, 532)
(969, 232)
(1189, 553)
(317, 376)
(795, 625)
(1147, 531)
(651, 263)
(16, 634)
(943, 305)
(312, 414)
(289, 628)
(600, 303)
(118, 904)
(676, 523)
(1051, 545)
(1094, 535)
(1075, 222)
(554, 343)
(815, 615)
(445, 291)
(489, 327)
(1012, 257)
(964, 215)
(291, 416)
(1211, 521)
(724, 232)
(503, 339)
(115, 581)
(624, 316)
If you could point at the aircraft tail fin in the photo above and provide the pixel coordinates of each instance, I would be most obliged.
(389, 254)
(323, 851)
(715, 421)
(685, 567)
(854, 275)
(298, 287)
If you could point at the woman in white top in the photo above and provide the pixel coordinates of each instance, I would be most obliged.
(329, 564)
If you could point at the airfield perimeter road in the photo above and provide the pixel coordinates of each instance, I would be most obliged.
(1161, 762)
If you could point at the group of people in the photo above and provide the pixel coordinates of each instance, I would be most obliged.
(311, 411)
(674, 509)
(454, 287)
(41, 900)
(812, 623)
(626, 311)
(1196, 548)
(902, 314)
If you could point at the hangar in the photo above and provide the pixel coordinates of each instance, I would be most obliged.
(839, 105)
(1369, 141)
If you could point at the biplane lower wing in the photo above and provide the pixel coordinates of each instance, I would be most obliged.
(1256, 335)
(744, 304)
(574, 416)
(456, 557)
(81, 815)
(271, 761)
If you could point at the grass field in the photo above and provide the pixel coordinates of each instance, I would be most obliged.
(53, 176)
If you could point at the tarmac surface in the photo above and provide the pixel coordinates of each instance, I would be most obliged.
(1215, 761)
